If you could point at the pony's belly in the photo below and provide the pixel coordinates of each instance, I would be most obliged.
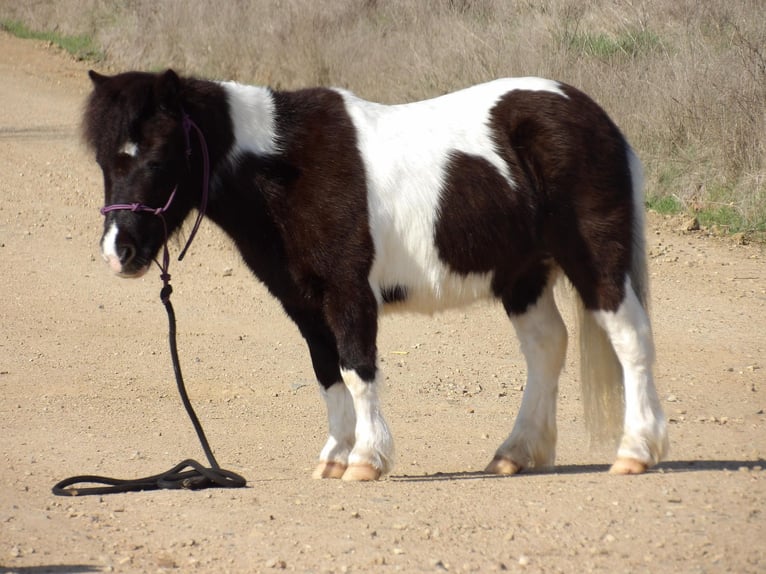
(429, 295)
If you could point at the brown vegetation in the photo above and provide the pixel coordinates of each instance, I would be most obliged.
(685, 80)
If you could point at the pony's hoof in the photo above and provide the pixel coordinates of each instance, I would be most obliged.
(329, 469)
(356, 472)
(502, 465)
(628, 466)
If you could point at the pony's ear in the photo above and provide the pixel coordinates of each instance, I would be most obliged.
(97, 78)
(167, 90)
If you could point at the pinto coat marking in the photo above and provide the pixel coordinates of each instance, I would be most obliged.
(345, 208)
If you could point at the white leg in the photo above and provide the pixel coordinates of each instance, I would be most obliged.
(644, 440)
(341, 419)
(373, 450)
(543, 338)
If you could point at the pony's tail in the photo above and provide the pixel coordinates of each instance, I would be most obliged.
(601, 376)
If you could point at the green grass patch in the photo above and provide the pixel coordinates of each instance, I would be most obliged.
(730, 219)
(725, 217)
(720, 207)
(81, 47)
(664, 204)
(628, 44)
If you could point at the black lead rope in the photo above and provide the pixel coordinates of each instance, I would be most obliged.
(188, 474)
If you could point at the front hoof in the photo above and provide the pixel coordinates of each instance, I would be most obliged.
(329, 469)
(628, 466)
(362, 471)
(502, 465)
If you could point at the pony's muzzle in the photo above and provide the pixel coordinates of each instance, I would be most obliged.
(120, 253)
(126, 253)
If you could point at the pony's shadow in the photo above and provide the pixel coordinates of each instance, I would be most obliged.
(672, 466)
(50, 569)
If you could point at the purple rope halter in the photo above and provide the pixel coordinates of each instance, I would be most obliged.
(187, 124)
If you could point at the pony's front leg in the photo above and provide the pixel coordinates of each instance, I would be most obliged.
(341, 419)
(372, 455)
(354, 323)
(359, 445)
(341, 422)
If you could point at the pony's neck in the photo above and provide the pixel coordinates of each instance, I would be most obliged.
(206, 104)
(238, 123)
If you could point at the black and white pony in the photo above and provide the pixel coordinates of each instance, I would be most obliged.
(345, 208)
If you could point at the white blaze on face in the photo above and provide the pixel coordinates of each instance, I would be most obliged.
(109, 249)
(130, 148)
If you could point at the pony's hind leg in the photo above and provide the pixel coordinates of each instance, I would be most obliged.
(644, 439)
(543, 339)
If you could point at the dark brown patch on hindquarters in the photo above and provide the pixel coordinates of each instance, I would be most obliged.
(572, 200)
(577, 159)
(485, 225)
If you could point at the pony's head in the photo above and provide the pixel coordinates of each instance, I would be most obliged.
(135, 124)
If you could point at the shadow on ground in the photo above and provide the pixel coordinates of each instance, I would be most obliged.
(672, 466)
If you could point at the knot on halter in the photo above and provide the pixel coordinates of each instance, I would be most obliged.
(167, 289)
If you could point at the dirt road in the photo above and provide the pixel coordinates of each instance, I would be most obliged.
(86, 387)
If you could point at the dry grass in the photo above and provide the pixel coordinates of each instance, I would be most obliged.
(686, 80)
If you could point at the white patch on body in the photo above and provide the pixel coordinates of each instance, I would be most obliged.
(252, 116)
(129, 149)
(645, 430)
(406, 149)
(543, 340)
(373, 443)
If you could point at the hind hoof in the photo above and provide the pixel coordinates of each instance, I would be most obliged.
(361, 472)
(329, 469)
(628, 466)
(502, 465)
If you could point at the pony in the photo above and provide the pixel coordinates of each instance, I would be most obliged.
(345, 208)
